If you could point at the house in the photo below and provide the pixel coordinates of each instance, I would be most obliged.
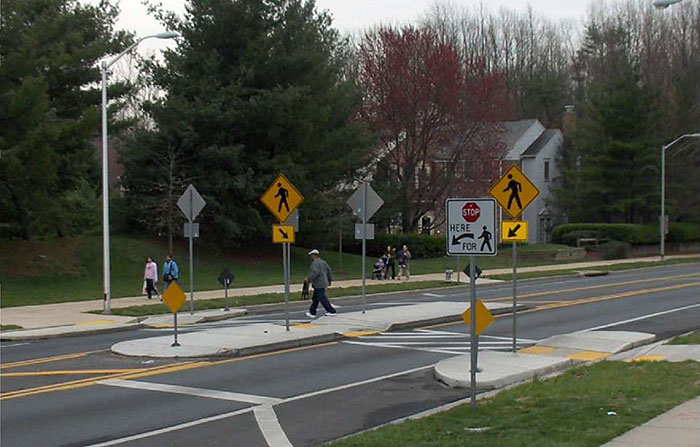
(534, 149)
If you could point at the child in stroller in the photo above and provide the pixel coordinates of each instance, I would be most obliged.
(379, 271)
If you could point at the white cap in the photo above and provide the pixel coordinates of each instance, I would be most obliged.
(313, 252)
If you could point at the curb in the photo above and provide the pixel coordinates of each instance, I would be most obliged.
(18, 336)
(448, 319)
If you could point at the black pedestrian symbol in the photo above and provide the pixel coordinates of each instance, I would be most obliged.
(282, 193)
(515, 189)
(486, 236)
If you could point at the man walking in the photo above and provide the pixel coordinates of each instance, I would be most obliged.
(171, 272)
(320, 277)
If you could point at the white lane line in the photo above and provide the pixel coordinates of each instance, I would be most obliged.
(218, 417)
(421, 336)
(409, 348)
(433, 295)
(163, 430)
(190, 391)
(644, 317)
(16, 344)
(270, 426)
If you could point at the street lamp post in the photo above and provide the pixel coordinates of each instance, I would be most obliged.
(104, 66)
(662, 222)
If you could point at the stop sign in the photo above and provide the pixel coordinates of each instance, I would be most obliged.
(471, 212)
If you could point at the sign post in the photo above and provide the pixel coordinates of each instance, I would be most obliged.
(191, 204)
(174, 298)
(514, 192)
(226, 279)
(471, 226)
(282, 199)
(364, 203)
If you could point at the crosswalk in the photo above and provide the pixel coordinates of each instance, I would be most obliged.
(441, 342)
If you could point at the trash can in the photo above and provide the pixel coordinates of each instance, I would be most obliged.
(448, 274)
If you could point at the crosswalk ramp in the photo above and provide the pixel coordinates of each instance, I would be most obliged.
(440, 342)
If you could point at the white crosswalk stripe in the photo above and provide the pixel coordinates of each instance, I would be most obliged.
(441, 342)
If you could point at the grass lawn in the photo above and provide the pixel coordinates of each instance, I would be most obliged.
(690, 339)
(574, 409)
(70, 269)
(9, 327)
(267, 298)
(607, 268)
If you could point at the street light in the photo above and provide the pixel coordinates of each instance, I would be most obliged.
(662, 4)
(105, 163)
(662, 223)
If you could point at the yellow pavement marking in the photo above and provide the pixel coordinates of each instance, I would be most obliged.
(304, 325)
(536, 350)
(360, 333)
(75, 372)
(163, 369)
(160, 325)
(588, 355)
(56, 358)
(648, 358)
(96, 323)
(600, 286)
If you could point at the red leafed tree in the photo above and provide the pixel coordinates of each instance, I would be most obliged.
(436, 114)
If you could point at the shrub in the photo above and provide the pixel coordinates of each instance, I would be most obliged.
(634, 234)
(420, 245)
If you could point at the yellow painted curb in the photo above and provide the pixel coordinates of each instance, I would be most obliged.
(648, 358)
(305, 325)
(160, 325)
(588, 355)
(360, 333)
(536, 350)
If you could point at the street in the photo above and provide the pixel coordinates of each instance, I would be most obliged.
(74, 392)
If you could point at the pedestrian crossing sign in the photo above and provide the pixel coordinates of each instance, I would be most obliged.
(483, 317)
(282, 198)
(514, 192)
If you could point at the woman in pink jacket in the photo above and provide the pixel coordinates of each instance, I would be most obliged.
(151, 276)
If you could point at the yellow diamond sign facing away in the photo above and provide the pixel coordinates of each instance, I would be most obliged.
(174, 297)
(282, 234)
(282, 198)
(514, 191)
(483, 317)
(514, 231)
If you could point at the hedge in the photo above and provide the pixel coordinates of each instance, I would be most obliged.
(420, 245)
(634, 234)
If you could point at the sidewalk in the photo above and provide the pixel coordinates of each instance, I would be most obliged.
(75, 313)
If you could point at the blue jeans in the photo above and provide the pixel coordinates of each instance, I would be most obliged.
(320, 296)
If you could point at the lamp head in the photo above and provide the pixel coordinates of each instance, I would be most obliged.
(167, 35)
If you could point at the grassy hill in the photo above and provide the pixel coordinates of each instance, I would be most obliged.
(70, 269)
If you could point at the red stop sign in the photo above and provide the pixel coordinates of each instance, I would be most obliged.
(471, 212)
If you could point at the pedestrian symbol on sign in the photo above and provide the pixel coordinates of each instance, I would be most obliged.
(486, 236)
(515, 188)
(282, 193)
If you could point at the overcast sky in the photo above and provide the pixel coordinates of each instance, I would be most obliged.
(353, 15)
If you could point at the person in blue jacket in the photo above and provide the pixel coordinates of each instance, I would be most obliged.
(171, 272)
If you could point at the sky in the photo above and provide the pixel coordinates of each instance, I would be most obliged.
(351, 15)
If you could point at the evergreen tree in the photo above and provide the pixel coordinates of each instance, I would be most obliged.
(49, 99)
(253, 89)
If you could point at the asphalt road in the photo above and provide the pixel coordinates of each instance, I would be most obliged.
(310, 395)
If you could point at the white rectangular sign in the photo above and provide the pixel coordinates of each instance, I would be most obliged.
(471, 227)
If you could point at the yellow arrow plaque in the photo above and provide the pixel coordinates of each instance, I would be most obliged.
(282, 198)
(514, 231)
(514, 192)
(282, 234)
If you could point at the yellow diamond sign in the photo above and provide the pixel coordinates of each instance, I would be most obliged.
(282, 234)
(174, 297)
(514, 191)
(483, 317)
(514, 231)
(282, 198)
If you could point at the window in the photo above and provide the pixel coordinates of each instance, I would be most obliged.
(546, 170)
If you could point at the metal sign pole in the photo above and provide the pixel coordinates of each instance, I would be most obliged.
(364, 242)
(175, 326)
(515, 294)
(286, 285)
(459, 267)
(472, 329)
(289, 278)
(191, 258)
(226, 309)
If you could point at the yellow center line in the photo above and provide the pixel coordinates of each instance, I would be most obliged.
(56, 358)
(93, 380)
(70, 372)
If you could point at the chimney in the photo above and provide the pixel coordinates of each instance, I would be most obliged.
(569, 120)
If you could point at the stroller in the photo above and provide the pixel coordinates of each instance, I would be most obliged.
(379, 271)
